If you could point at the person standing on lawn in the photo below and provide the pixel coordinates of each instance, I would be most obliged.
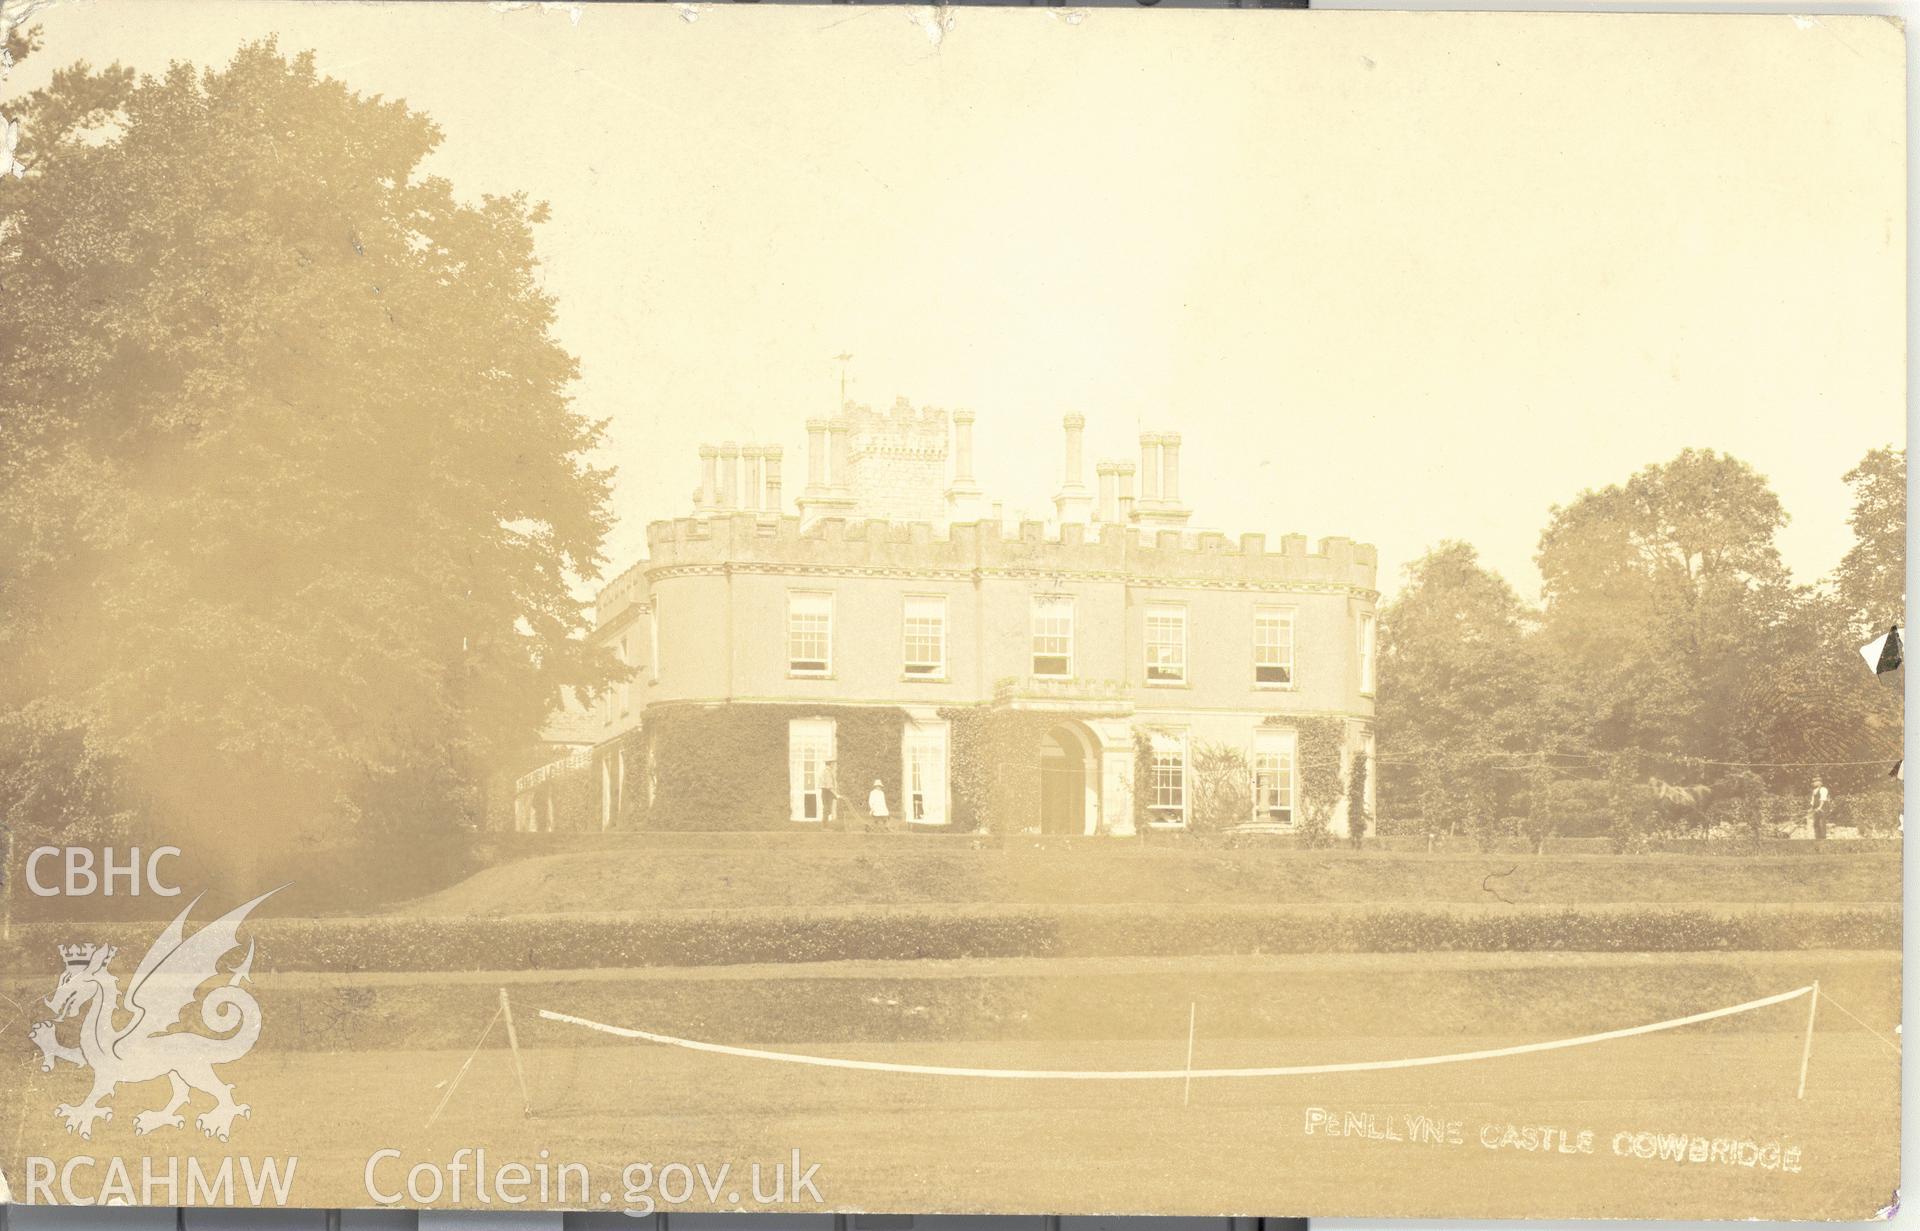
(1818, 805)
(877, 805)
(829, 792)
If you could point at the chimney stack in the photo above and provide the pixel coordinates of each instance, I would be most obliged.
(839, 433)
(1123, 472)
(963, 448)
(770, 462)
(826, 493)
(1108, 474)
(964, 498)
(750, 477)
(1072, 505)
(709, 458)
(729, 475)
(1160, 507)
(1149, 468)
(816, 456)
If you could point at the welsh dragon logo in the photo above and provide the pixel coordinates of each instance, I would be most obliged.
(143, 1038)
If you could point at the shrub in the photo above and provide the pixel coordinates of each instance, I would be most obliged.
(1457, 792)
(1321, 789)
(1222, 787)
(1489, 833)
(1634, 817)
(1873, 813)
(1579, 808)
(1358, 817)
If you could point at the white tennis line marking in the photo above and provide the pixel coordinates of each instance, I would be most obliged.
(1285, 1070)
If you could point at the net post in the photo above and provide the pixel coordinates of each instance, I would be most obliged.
(513, 1048)
(1193, 1015)
(1806, 1049)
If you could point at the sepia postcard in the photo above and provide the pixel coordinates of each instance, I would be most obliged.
(838, 609)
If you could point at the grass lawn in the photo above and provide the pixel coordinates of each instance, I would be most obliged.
(351, 1063)
(891, 1142)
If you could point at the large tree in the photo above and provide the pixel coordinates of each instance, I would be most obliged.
(1459, 690)
(1824, 704)
(292, 489)
(1665, 597)
(1871, 582)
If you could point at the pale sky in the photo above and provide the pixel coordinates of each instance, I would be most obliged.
(1402, 278)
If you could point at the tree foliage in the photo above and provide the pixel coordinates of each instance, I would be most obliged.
(1662, 596)
(1455, 638)
(1671, 644)
(291, 486)
(1459, 685)
(1871, 582)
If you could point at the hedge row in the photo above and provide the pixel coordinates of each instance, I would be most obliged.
(1306, 1003)
(718, 938)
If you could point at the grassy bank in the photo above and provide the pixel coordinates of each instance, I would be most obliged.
(647, 876)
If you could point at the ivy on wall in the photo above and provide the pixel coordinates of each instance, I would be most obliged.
(1317, 754)
(995, 766)
(575, 798)
(632, 750)
(969, 767)
(725, 766)
(715, 767)
(1358, 817)
(1142, 781)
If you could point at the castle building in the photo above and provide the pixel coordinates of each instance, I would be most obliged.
(1088, 674)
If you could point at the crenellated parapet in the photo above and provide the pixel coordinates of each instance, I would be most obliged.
(746, 541)
(904, 431)
(625, 590)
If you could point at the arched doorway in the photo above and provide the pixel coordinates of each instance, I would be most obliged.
(1069, 780)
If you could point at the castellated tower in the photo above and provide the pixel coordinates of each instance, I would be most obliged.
(892, 465)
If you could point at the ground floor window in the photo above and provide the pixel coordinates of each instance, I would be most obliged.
(809, 778)
(1167, 797)
(923, 748)
(1273, 777)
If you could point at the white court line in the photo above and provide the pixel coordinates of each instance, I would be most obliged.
(1287, 1070)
